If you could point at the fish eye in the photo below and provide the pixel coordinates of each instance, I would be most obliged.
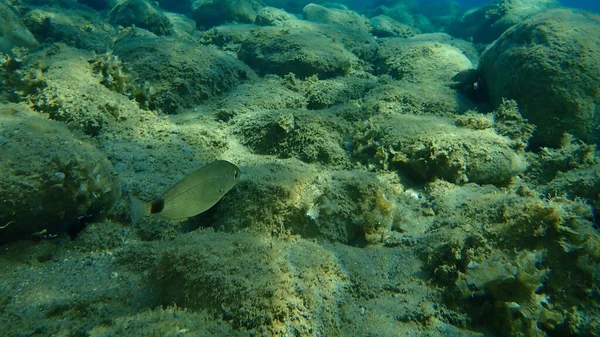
(236, 174)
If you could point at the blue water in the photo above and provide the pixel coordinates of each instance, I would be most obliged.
(361, 5)
(593, 5)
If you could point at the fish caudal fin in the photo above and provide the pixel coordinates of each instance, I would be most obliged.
(139, 208)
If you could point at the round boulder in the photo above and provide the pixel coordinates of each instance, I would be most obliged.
(426, 147)
(550, 64)
(51, 180)
(273, 50)
(140, 13)
(316, 13)
(295, 133)
(210, 13)
(415, 60)
(486, 23)
(176, 74)
(12, 31)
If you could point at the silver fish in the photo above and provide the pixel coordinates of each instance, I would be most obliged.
(194, 194)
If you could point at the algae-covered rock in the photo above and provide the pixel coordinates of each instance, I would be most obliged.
(141, 13)
(487, 23)
(269, 16)
(98, 4)
(384, 26)
(426, 147)
(512, 283)
(336, 91)
(79, 28)
(179, 74)
(255, 282)
(74, 86)
(346, 206)
(415, 60)
(583, 183)
(398, 97)
(424, 67)
(273, 50)
(209, 13)
(77, 288)
(466, 47)
(295, 133)
(269, 93)
(165, 322)
(511, 256)
(183, 26)
(549, 65)
(51, 179)
(351, 19)
(227, 37)
(351, 207)
(12, 31)
(405, 12)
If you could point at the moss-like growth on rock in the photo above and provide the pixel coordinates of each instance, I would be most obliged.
(68, 183)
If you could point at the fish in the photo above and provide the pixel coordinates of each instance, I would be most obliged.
(194, 194)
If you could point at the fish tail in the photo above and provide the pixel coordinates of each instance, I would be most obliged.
(139, 208)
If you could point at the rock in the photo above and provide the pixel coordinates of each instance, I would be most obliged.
(269, 16)
(413, 60)
(237, 276)
(179, 74)
(270, 93)
(337, 91)
(210, 13)
(227, 37)
(83, 29)
(305, 53)
(295, 133)
(426, 147)
(549, 64)
(351, 19)
(464, 46)
(487, 23)
(424, 70)
(183, 26)
(77, 87)
(51, 180)
(13, 33)
(140, 13)
(384, 26)
(98, 5)
(407, 12)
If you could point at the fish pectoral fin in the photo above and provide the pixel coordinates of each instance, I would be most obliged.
(139, 208)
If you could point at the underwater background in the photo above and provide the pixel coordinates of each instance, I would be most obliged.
(299, 168)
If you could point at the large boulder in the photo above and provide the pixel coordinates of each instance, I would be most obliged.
(487, 23)
(418, 60)
(550, 64)
(12, 31)
(52, 181)
(427, 147)
(211, 13)
(384, 26)
(272, 50)
(179, 74)
(79, 28)
(424, 67)
(316, 13)
(141, 13)
(295, 133)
